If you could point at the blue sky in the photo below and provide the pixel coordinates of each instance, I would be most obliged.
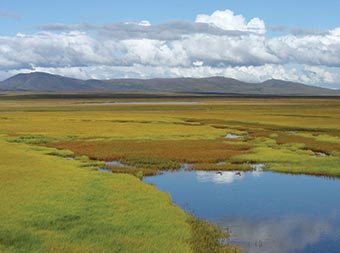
(250, 40)
(30, 13)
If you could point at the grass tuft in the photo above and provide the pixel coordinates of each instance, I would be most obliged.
(206, 237)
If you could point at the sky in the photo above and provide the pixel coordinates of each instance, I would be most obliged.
(250, 40)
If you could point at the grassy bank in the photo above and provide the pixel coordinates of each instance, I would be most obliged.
(55, 205)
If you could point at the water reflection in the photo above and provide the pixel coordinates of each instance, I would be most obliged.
(116, 164)
(225, 177)
(149, 103)
(104, 170)
(290, 234)
(228, 177)
(232, 136)
(264, 211)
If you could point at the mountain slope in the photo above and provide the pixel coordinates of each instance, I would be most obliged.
(38, 81)
(44, 82)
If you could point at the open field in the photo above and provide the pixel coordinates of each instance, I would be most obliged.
(289, 134)
(54, 204)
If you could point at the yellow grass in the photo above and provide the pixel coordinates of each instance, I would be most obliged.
(53, 205)
(56, 205)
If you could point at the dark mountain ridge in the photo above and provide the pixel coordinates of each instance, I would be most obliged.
(44, 82)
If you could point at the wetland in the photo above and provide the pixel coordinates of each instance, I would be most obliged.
(227, 174)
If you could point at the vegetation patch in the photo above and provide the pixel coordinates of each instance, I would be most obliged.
(153, 152)
(31, 139)
(139, 172)
(152, 163)
(207, 238)
(310, 143)
(56, 205)
(292, 159)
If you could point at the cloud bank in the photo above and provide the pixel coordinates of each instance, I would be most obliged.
(221, 43)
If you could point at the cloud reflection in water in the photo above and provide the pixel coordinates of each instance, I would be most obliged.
(285, 235)
(225, 177)
(228, 177)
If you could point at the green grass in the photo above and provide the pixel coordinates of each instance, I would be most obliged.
(291, 158)
(152, 163)
(50, 204)
(53, 205)
(205, 237)
(136, 171)
(31, 139)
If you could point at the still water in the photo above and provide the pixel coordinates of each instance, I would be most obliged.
(149, 103)
(264, 212)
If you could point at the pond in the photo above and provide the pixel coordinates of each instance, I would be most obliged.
(263, 211)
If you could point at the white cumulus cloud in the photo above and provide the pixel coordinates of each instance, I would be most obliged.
(227, 20)
(222, 43)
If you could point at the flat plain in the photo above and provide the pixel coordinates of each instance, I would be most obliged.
(51, 149)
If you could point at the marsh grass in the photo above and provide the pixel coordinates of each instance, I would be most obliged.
(31, 139)
(208, 236)
(61, 153)
(292, 158)
(164, 154)
(72, 208)
(152, 163)
(139, 172)
(56, 205)
(311, 143)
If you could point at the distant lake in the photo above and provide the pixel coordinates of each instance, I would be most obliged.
(148, 103)
(264, 212)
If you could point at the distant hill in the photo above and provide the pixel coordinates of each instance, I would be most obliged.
(44, 82)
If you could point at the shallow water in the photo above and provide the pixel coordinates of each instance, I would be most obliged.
(69, 158)
(263, 211)
(148, 103)
(116, 163)
(233, 136)
(104, 170)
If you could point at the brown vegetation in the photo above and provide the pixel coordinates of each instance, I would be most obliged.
(157, 152)
(310, 143)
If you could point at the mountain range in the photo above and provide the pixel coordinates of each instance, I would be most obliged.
(44, 82)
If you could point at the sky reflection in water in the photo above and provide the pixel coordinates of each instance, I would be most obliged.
(265, 212)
